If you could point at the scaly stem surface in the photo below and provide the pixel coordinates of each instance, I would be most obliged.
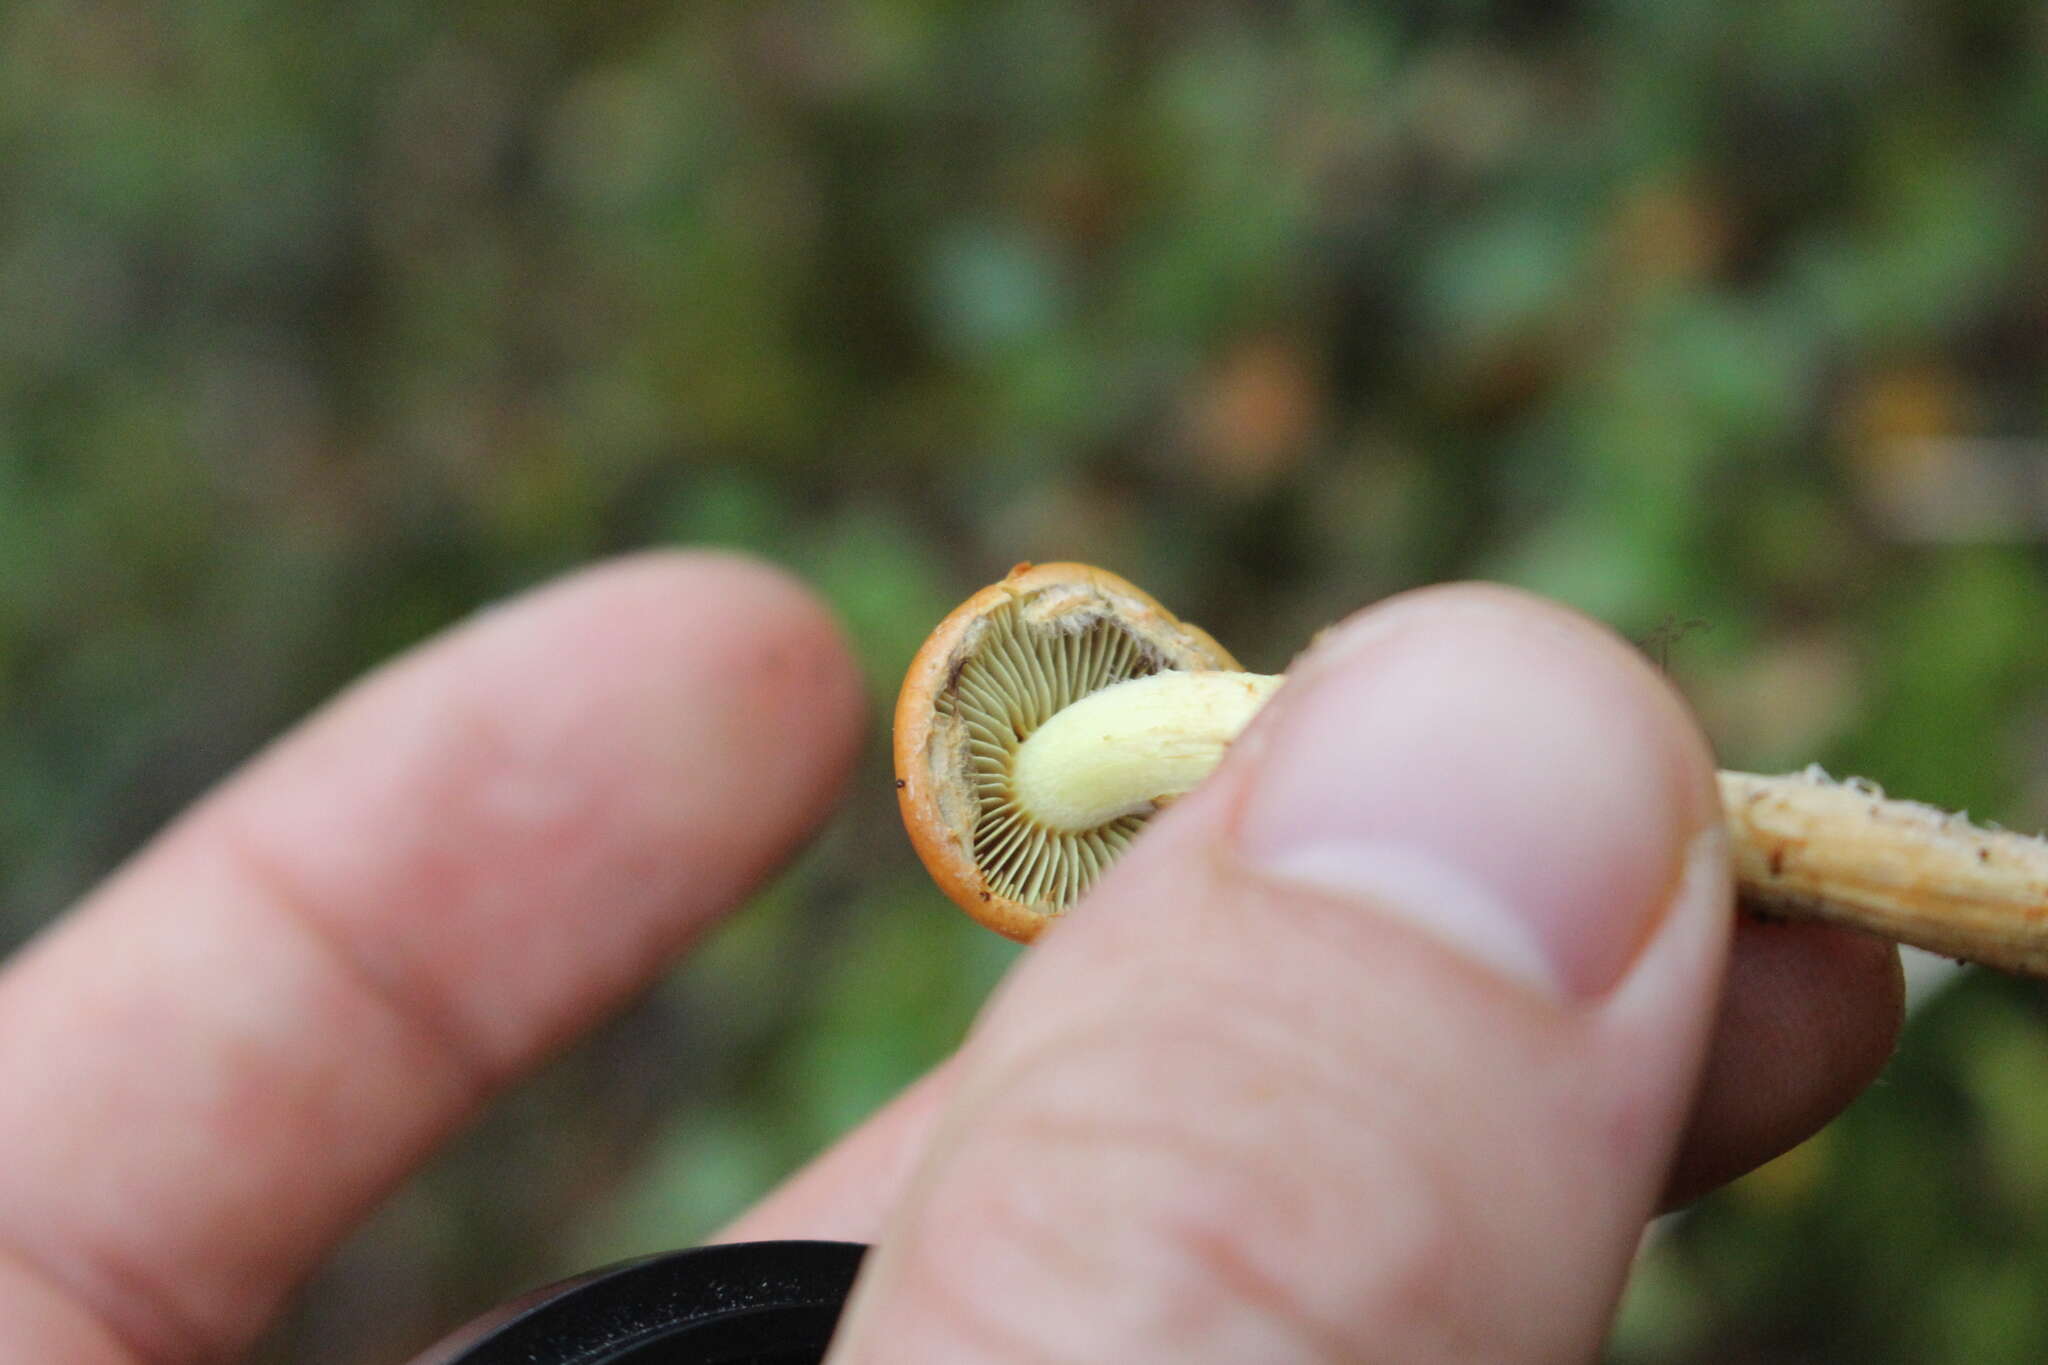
(1804, 845)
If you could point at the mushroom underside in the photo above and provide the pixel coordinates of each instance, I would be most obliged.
(1016, 674)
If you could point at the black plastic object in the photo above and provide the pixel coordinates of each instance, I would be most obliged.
(750, 1303)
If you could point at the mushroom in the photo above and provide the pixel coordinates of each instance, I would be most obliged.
(972, 768)
(1052, 714)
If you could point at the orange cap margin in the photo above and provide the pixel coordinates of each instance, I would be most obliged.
(941, 823)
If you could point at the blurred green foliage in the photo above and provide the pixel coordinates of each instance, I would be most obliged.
(322, 324)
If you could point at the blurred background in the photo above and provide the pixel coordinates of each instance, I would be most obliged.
(322, 324)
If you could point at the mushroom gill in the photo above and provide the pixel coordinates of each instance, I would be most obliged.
(1016, 678)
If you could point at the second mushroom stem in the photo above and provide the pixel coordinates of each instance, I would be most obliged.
(1803, 845)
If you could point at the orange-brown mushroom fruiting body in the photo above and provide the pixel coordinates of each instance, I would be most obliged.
(1051, 714)
(999, 665)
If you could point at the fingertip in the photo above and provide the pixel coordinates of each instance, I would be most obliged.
(753, 622)
(699, 611)
(1809, 1018)
(649, 735)
(1485, 610)
(1506, 770)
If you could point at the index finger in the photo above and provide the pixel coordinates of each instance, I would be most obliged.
(226, 1054)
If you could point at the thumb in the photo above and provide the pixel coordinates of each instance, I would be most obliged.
(1376, 1047)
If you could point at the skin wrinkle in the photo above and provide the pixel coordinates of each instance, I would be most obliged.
(132, 1290)
(156, 1334)
(964, 1307)
(1220, 1261)
(467, 757)
(1181, 1011)
(1271, 1045)
(1269, 1055)
(1204, 1238)
(1202, 990)
(467, 785)
(1001, 1318)
(108, 1347)
(972, 1319)
(1416, 1207)
(1425, 1250)
(1013, 1221)
(434, 1024)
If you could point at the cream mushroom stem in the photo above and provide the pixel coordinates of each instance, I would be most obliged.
(1804, 846)
(1122, 749)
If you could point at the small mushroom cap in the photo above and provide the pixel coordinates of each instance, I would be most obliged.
(935, 762)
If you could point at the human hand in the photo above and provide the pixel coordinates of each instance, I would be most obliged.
(215, 1065)
(1382, 1044)
(1229, 1110)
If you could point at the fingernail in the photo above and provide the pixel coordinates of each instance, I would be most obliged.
(1505, 775)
